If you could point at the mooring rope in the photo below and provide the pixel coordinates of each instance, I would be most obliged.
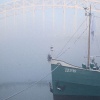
(31, 85)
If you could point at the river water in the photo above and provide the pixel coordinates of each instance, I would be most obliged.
(37, 92)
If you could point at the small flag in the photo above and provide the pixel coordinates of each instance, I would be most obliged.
(92, 26)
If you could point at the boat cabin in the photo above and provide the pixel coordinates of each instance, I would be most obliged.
(93, 65)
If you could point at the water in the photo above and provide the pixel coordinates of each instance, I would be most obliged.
(39, 92)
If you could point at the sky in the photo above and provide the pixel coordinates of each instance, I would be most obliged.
(3, 1)
(24, 44)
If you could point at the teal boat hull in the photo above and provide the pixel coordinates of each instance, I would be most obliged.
(74, 83)
(73, 97)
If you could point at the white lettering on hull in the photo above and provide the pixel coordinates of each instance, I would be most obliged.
(70, 70)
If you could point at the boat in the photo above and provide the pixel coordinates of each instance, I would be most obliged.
(70, 82)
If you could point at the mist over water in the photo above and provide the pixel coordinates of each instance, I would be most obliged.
(38, 92)
(25, 45)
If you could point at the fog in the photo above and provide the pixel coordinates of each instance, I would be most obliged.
(25, 44)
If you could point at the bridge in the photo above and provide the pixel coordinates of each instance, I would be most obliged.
(17, 7)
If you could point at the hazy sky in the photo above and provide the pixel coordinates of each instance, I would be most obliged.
(3, 1)
(24, 45)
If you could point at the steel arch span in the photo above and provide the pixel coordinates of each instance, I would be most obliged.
(17, 7)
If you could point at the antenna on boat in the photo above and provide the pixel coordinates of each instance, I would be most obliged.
(49, 57)
(51, 49)
(88, 14)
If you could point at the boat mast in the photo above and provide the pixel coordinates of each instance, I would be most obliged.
(88, 60)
